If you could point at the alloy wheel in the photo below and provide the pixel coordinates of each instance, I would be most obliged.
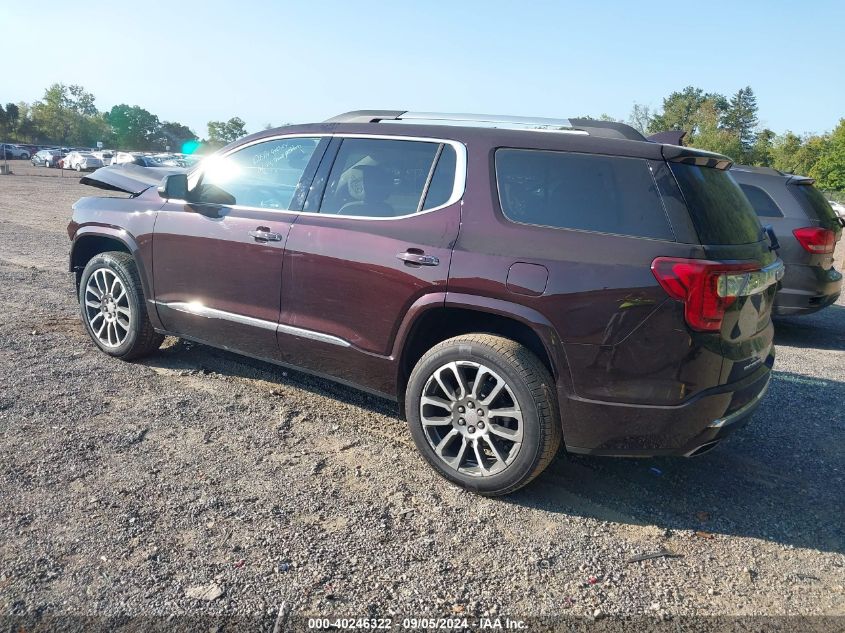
(471, 418)
(107, 307)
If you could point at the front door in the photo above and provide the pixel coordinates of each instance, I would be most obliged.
(376, 234)
(217, 259)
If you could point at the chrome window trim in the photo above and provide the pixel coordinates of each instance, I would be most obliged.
(458, 188)
(195, 308)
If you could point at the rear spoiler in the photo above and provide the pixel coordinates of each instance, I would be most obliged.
(128, 178)
(669, 137)
(692, 156)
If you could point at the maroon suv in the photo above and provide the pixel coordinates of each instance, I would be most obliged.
(513, 282)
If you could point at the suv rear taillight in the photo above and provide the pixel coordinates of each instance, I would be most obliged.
(708, 288)
(816, 240)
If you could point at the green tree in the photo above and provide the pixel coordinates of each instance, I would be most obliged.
(641, 118)
(224, 132)
(708, 133)
(829, 169)
(680, 110)
(134, 127)
(796, 155)
(761, 152)
(174, 135)
(740, 117)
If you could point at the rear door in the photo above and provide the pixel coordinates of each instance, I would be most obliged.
(376, 234)
(217, 261)
(730, 231)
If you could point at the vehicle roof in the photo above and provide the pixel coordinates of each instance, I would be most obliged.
(497, 137)
(752, 170)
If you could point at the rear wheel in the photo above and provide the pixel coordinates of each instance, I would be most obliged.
(482, 411)
(113, 308)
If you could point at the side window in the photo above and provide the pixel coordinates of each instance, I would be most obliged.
(443, 179)
(762, 202)
(581, 191)
(263, 175)
(378, 177)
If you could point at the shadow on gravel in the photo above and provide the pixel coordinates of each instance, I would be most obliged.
(195, 358)
(780, 478)
(822, 330)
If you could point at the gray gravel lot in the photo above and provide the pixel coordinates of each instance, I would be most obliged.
(124, 488)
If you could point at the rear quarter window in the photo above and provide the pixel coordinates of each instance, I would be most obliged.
(567, 190)
(762, 202)
(720, 211)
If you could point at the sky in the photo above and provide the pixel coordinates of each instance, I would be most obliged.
(294, 62)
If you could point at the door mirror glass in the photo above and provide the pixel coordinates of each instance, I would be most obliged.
(174, 187)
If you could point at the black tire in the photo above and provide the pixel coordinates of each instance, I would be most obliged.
(140, 337)
(531, 387)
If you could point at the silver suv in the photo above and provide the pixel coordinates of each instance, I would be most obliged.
(807, 229)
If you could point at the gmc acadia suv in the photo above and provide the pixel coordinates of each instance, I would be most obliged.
(514, 283)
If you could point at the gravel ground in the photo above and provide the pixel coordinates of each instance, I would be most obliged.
(200, 482)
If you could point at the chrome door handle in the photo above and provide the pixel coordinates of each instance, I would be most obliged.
(418, 258)
(265, 235)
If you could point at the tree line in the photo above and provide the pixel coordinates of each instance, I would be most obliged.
(730, 126)
(68, 116)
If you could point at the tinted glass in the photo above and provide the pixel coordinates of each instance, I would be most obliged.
(720, 211)
(580, 191)
(762, 202)
(263, 175)
(378, 177)
(815, 205)
(443, 180)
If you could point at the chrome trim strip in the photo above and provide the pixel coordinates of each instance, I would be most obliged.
(458, 188)
(197, 309)
(733, 417)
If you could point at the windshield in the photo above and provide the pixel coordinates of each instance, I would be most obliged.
(720, 211)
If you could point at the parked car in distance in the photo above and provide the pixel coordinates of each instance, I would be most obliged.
(82, 161)
(46, 158)
(9, 151)
(807, 229)
(104, 155)
(838, 209)
(512, 287)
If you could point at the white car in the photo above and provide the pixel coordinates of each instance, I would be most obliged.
(839, 210)
(104, 155)
(82, 161)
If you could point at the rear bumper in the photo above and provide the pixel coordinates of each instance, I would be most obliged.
(629, 430)
(807, 289)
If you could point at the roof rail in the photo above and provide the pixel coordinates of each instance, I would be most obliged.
(606, 129)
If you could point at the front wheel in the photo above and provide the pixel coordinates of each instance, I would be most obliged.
(482, 411)
(113, 308)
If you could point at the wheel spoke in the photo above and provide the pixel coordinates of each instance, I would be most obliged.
(123, 325)
(93, 304)
(495, 391)
(100, 331)
(122, 294)
(510, 412)
(445, 442)
(439, 378)
(494, 450)
(478, 458)
(99, 315)
(479, 381)
(437, 402)
(436, 420)
(114, 284)
(514, 435)
(123, 310)
(455, 462)
(94, 290)
(459, 377)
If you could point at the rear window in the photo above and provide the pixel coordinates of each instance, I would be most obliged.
(762, 202)
(815, 205)
(720, 211)
(567, 190)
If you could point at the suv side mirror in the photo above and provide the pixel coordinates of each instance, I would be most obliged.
(174, 187)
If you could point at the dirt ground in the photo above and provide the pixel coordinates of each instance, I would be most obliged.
(199, 482)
